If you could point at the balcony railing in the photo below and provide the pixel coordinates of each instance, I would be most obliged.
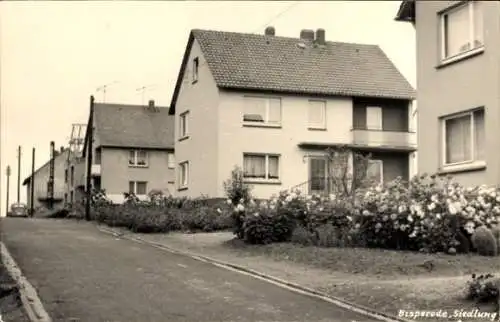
(394, 140)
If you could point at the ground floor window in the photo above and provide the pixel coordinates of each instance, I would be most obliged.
(137, 187)
(183, 174)
(261, 166)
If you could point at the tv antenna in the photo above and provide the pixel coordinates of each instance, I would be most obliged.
(103, 89)
(143, 89)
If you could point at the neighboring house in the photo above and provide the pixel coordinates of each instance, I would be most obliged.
(133, 149)
(74, 173)
(41, 179)
(458, 76)
(272, 105)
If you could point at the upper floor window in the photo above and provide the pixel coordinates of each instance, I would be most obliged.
(195, 69)
(317, 114)
(171, 160)
(462, 30)
(464, 138)
(262, 110)
(138, 158)
(183, 125)
(260, 166)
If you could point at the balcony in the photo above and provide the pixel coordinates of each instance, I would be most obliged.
(384, 140)
(95, 170)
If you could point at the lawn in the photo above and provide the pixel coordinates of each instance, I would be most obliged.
(388, 281)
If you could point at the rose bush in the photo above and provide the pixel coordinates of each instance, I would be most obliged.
(428, 214)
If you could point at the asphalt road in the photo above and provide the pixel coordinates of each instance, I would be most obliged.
(82, 274)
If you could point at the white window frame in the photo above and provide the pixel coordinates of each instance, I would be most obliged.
(135, 187)
(443, 35)
(266, 156)
(184, 125)
(266, 114)
(171, 160)
(472, 161)
(374, 111)
(183, 168)
(380, 163)
(317, 126)
(136, 153)
(196, 65)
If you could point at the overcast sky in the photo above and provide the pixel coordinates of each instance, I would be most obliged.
(54, 55)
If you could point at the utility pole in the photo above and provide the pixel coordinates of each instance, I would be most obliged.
(89, 158)
(32, 186)
(18, 174)
(50, 184)
(8, 187)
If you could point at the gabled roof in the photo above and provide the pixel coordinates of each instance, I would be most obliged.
(292, 65)
(46, 164)
(133, 126)
(406, 11)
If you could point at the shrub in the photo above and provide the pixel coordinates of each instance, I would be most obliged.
(329, 236)
(484, 241)
(266, 226)
(206, 219)
(485, 289)
(302, 236)
(238, 194)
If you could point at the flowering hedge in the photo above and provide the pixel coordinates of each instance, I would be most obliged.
(429, 214)
(159, 214)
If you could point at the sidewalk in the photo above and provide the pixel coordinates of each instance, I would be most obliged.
(387, 295)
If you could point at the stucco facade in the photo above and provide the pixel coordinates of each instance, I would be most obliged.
(459, 85)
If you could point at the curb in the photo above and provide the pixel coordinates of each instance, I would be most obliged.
(379, 316)
(29, 297)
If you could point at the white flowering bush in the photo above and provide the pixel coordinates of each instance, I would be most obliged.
(428, 214)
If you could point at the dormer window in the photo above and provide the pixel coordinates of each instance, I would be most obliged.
(195, 69)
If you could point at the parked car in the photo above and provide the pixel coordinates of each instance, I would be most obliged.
(18, 210)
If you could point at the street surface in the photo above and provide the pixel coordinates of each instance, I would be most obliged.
(82, 274)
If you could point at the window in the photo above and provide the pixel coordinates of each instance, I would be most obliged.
(317, 115)
(375, 171)
(137, 187)
(183, 125)
(373, 118)
(260, 166)
(461, 29)
(183, 174)
(138, 158)
(171, 160)
(97, 159)
(195, 69)
(262, 110)
(464, 138)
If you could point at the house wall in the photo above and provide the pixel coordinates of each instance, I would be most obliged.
(79, 178)
(200, 149)
(460, 86)
(235, 139)
(41, 179)
(116, 173)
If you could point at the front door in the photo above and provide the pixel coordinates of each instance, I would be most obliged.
(317, 175)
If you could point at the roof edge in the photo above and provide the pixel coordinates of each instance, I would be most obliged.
(180, 75)
(406, 12)
(166, 148)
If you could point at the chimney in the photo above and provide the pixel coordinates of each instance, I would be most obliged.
(320, 36)
(307, 34)
(151, 104)
(270, 31)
